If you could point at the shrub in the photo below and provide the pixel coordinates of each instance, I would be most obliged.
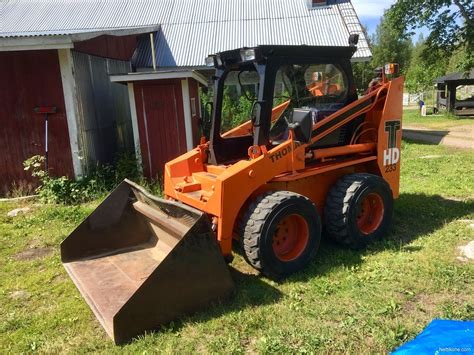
(98, 182)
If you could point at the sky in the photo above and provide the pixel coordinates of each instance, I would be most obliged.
(370, 11)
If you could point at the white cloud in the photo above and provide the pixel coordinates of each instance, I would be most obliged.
(371, 8)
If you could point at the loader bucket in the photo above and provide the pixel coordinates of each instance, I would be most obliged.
(141, 261)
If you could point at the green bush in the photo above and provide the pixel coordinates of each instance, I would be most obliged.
(97, 183)
(234, 111)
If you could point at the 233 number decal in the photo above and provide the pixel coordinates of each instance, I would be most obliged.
(391, 168)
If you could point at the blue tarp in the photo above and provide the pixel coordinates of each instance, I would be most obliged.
(442, 337)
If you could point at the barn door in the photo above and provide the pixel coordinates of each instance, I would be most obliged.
(163, 118)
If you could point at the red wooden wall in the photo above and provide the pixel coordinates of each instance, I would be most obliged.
(163, 137)
(113, 47)
(29, 79)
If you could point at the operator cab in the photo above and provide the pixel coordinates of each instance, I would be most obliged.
(307, 81)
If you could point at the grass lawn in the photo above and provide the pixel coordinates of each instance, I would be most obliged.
(355, 302)
(412, 117)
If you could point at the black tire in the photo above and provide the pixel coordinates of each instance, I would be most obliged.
(343, 209)
(260, 223)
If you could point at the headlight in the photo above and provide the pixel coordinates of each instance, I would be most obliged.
(214, 61)
(210, 61)
(247, 54)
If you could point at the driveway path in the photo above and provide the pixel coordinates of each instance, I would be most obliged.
(459, 136)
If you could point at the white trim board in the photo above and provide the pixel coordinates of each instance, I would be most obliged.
(147, 138)
(35, 43)
(188, 124)
(136, 132)
(69, 92)
(140, 76)
(10, 48)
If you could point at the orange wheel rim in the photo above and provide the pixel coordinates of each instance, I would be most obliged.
(371, 211)
(290, 238)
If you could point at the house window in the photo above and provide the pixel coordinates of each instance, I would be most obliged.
(193, 106)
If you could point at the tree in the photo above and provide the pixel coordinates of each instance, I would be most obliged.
(456, 61)
(386, 48)
(451, 26)
(363, 74)
(363, 71)
(421, 73)
(390, 48)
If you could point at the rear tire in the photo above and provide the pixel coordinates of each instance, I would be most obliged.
(281, 233)
(358, 210)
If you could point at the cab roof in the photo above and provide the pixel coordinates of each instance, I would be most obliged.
(290, 53)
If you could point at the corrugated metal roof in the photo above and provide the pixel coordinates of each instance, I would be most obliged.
(454, 77)
(190, 30)
(23, 18)
(202, 27)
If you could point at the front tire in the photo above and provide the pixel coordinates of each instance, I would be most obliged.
(281, 233)
(358, 210)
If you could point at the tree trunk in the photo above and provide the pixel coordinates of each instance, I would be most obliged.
(464, 13)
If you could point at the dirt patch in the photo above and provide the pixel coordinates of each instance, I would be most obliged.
(430, 303)
(458, 137)
(422, 302)
(464, 130)
(19, 295)
(34, 253)
(59, 278)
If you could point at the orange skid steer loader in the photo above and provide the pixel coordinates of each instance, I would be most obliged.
(312, 155)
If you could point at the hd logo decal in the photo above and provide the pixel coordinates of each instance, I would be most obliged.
(391, 156)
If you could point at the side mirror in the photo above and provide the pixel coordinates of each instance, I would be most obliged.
(302, 125)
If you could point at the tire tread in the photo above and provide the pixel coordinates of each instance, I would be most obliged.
(337, 208)
(254, 219)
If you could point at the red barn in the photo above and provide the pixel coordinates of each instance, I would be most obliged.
(71, 73)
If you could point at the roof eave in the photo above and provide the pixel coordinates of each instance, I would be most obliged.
(59, 41)
(35, 43)
(158, 75)
(129, 31)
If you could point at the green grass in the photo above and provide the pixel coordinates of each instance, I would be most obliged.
(412, 117)
(346, 301)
